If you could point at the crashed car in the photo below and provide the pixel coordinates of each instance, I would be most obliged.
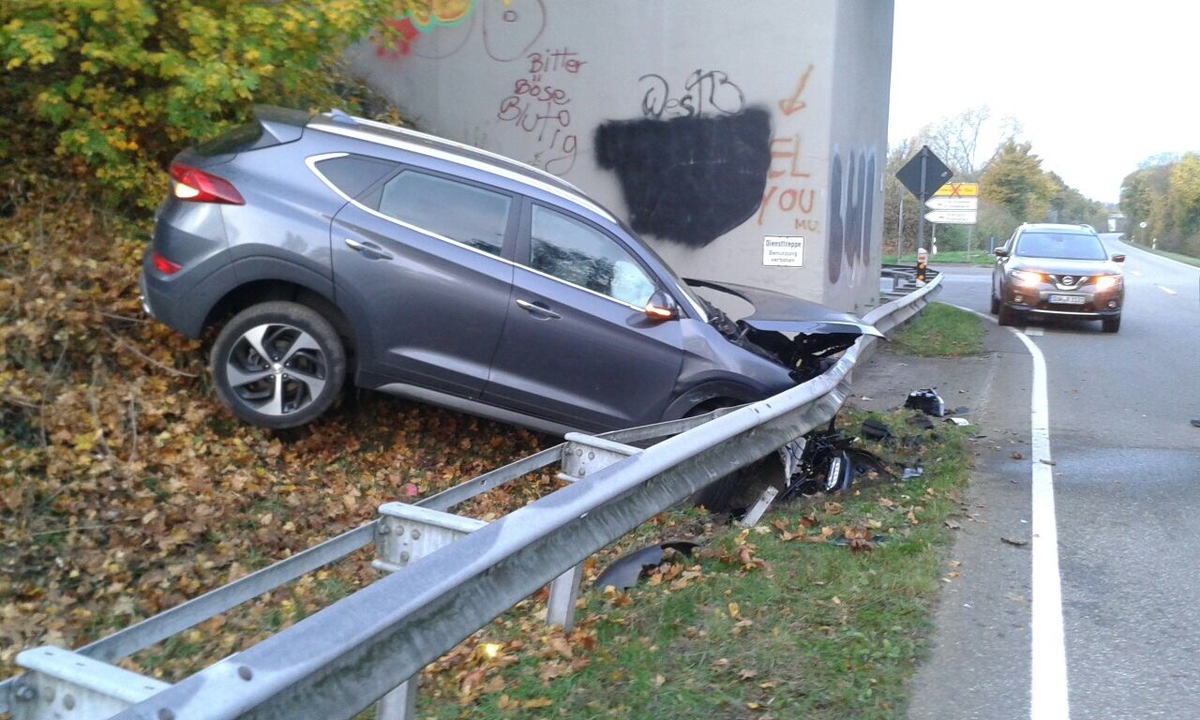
(328, 248)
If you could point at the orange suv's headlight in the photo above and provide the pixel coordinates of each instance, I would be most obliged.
(1106, 282)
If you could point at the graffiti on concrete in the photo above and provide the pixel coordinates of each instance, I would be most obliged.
(509, 27)
(787, 190)
(702, 92)
(792, 105)
(421, 16)
(539, 105)
(689, 179)
(852, 182)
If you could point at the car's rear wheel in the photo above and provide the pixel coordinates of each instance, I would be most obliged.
(278, 364)
(1111, 324)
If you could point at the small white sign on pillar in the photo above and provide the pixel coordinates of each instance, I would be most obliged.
(783, 251)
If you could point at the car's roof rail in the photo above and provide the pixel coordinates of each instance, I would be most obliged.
(342, 123)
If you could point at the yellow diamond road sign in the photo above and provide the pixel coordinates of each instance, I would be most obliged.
(958, 190)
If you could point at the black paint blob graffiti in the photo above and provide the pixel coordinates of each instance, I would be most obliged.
(851, 209)
(689, 179)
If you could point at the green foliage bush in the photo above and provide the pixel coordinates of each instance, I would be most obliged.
(111, 89)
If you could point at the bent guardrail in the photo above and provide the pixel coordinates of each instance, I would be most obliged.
(440, 588)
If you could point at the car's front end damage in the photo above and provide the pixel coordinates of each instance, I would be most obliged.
(799, 335)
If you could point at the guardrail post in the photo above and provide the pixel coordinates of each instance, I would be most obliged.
(63, 684)
(582, 455)
(564, 591)
(405, 534)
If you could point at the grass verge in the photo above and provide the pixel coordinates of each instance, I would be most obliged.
(820, 611)
(940, 331)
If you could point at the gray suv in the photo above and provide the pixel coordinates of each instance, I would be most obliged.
(328, 247)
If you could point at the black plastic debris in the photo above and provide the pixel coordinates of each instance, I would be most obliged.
(927, 401)
(625, 570)
(876, 430)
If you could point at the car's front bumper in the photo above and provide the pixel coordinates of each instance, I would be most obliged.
(1047, 300)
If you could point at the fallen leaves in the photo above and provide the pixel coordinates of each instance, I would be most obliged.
(126, 489)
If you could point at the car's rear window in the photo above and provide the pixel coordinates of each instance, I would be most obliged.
(1060, 246)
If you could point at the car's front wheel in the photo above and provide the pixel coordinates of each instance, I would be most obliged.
(278, 364)
(1111, 324)
(1006, 315)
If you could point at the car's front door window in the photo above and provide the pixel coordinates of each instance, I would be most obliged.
(575, 252)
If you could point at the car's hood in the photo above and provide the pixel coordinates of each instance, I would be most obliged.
(1064, 267)
(778, 312)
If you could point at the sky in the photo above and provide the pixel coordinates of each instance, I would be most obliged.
(1098, 87)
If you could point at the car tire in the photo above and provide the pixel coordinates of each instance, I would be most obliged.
(995, 308)
(1110, 324)
(1006, 316)
(278, 365)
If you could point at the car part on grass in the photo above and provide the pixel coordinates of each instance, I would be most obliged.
(927, 401)
(625, 571)
(817, 463)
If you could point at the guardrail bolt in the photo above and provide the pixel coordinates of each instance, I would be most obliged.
(245, 673)
(416, 534)
(25, 693)
(166, 714)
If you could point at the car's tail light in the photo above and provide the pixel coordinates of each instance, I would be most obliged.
(163, 265)
(195, 185)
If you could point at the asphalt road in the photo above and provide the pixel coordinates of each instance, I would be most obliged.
(1113, 489)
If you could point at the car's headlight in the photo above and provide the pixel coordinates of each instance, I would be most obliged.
(1026, 278)
(1106, 282)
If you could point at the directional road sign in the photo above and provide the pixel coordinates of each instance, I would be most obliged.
(951, 217)
(958, 190)
(938, 202)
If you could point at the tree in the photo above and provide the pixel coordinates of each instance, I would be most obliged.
(1183, 201)
(115, 87)
(1014, 180)
(956, 141)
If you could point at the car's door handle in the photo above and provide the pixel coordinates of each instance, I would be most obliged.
(369, 250)
(538, 309)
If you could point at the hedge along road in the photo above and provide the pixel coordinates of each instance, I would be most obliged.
(1118, 492)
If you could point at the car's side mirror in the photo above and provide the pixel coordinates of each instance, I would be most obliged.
(661, 306)
(1001, 252)
(1118, 258)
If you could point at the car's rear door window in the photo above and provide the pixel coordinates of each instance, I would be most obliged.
(458, 211)
(353, 174)
(570, 250)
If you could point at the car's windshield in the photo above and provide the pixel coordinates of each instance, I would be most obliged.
(1060, 246)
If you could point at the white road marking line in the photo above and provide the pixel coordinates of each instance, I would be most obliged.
(1165, 289)
(1048, 677)
(1048, 691)
(1033, 331)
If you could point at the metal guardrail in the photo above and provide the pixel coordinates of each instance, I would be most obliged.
(340, 660)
